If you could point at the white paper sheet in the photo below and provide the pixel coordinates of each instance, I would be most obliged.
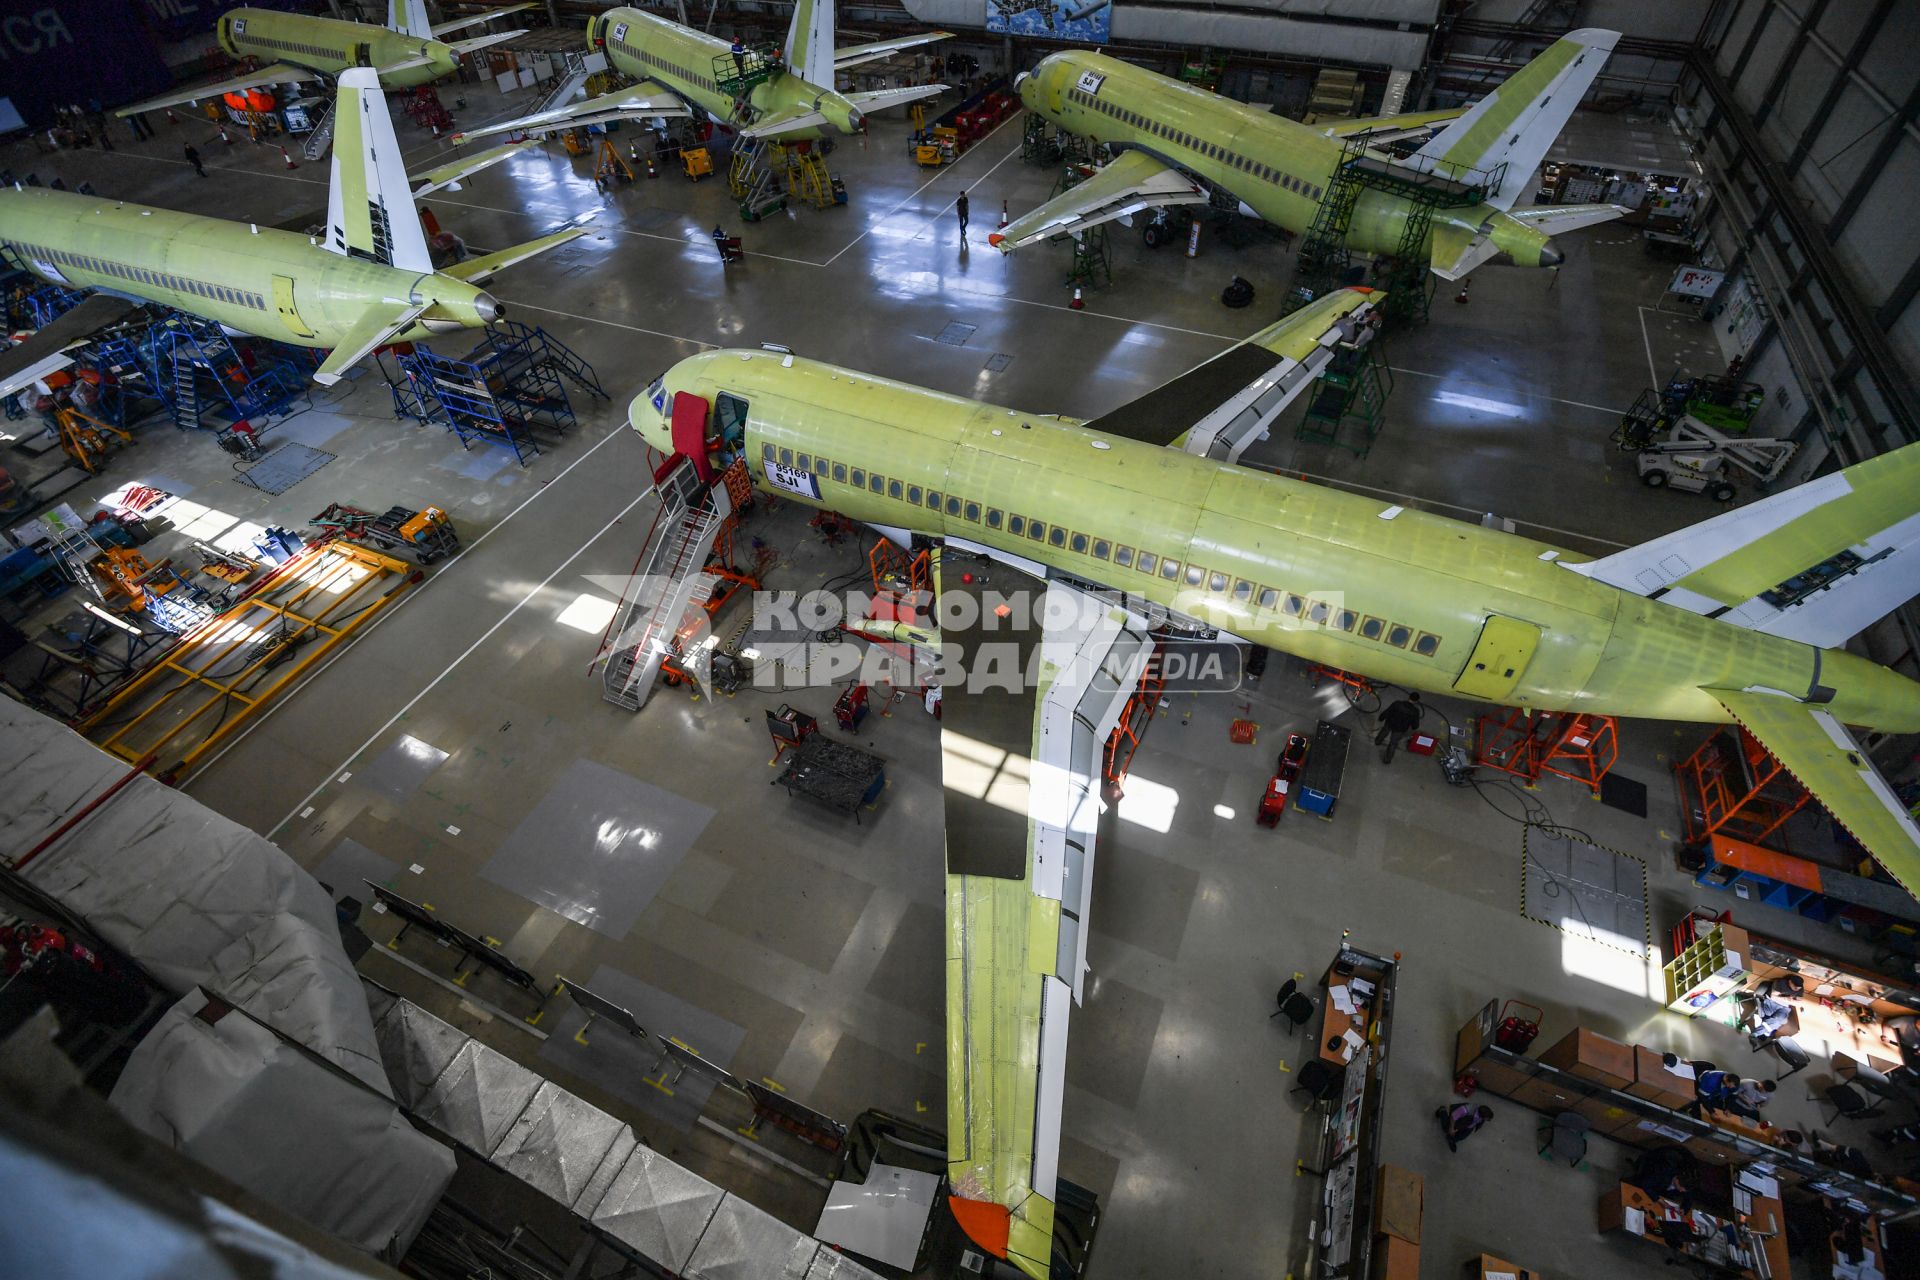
(1636, 1221)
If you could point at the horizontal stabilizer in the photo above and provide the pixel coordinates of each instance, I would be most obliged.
(485, 16)
(872, 100)
(278, 73)
(855, 55)
(646, 100)
(1555, 218)
(1818, 751)
(776, 124)
(43, 352)
(380, 326)
(470, 45)
(1817, 563)
(1383, 129)
(479, 270)
(1457, 251)
(450, 176)
(1134, 181)
(405, 64)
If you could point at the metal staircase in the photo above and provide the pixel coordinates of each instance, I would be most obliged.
(193, 365)
(503, 392)
(76, 550)
(670, 587)
(573, 74)
(807, 177)
(321, 136)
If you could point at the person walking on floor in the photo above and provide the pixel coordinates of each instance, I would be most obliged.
(961, 206)
(193, 158)
(1459, 1122)
(1401, 717)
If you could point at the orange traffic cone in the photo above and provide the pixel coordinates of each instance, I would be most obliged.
(1462, 295)
(1076, 304)
(1003, 215)
(288, 159)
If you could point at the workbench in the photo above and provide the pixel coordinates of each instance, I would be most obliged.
(1625, 1207)
(834, 773)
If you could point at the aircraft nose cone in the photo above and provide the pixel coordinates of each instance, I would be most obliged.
(488, 307)
(1551, 255)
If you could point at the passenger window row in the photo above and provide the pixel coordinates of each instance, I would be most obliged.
(1212, 150)
(138, 276)
(1253, 595)
(659, 63)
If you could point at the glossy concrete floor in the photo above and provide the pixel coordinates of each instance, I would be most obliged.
(647, 853)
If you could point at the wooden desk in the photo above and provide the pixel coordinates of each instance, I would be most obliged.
(1488, 1267)
(1767, 1215)
(1758, 1130)
(1335, 1023)
(1869, 1239)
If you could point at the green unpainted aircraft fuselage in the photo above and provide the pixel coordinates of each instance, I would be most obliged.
(272, 284)
(331, 45)
(1402, 596)
(1278, 168)
(646, 47)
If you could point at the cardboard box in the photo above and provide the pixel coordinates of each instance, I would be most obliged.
(1543, 1096)
(1592, 1056)
(1498, 1077)
(1652, 1081)
(1605, 1116)
(1397, 1207)
(1395, 1259)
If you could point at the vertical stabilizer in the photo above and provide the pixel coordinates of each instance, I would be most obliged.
(409, 18)
(810, 42)
(370, 211)
(1516, 123)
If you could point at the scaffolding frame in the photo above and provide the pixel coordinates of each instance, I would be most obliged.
(508, 388)
(1348, 403)
(1733, 786)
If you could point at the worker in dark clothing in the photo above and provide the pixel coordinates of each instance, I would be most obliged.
(739, 52)
(193, 158)
(1401, 717)
(1460, 1121)
(960, 205)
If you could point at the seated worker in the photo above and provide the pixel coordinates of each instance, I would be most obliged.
(1665, 1174)
(1751, 1095)
(1767, 1017)
(1713, 1087)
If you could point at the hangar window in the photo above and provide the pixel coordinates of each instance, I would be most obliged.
(953, 505)
(1057, 536)
(1123, 556)
(1100, 548)
(1427, 645)
(1372, 627)
(913, 494)
(896, 490)
(840, 472)
(1016, 524)
(1148, 562)
(786, 457)
(1318, 611)
(973, 512)
(859, 478)
(1170, 570)
(1397, 636)
(1080, 543)
(1345, 619)
(993, 517)
(1243, 591)
(1195, 575)
(1217, 583)
(876, 481)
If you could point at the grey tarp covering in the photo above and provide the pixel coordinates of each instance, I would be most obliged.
(240, 1100)
(200, 901)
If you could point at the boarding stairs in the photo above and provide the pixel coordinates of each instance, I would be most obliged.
(572, 76)
(670, 588)
(194, 367)
(750, 174)
(321, 136)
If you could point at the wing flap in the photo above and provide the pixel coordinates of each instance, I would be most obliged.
(854, 55)
(643, 101)
(1817, 749)
(1133, 182)
(278, 73)
(45, 350)
(376, 329)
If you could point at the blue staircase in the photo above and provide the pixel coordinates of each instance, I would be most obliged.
(195, 369)
(50, 303)
(507, 392)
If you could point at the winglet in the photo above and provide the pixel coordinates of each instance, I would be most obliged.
(987, 1224)
(994, 238)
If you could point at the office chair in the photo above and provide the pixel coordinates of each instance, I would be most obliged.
(1788, 1051)
(1319, 1080)
(1565, 1136)
(1294, 1005)
(1849, 1102)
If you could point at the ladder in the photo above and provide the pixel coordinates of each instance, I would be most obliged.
(76, 550)
(184, 401)
(672, 584)
(745, 176)
(322, 135)
(807, 177)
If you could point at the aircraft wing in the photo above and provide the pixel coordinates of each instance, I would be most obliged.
(449, 176)
(1555, 218)
(854, 55)
(1389, 128)
(405, 64)
(487, 15)
(479, 270)
(45, 350)
(784, 121)
(642, 101)
(1818, 750)
(277, 73)
(872, 100)
(376, 329)
(1021, 770)
(1133, 182)
(1219, 408)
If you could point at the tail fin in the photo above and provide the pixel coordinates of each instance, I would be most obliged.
(409, 18)
(810, 42)
(370, 211)
(1516, 123)
(1818, 563)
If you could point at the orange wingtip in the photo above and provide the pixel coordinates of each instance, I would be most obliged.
(994, 238)
(1361, 288)
(985, 1223)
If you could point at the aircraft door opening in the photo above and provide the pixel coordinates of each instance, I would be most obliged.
(283, 303)
(1499, 658)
